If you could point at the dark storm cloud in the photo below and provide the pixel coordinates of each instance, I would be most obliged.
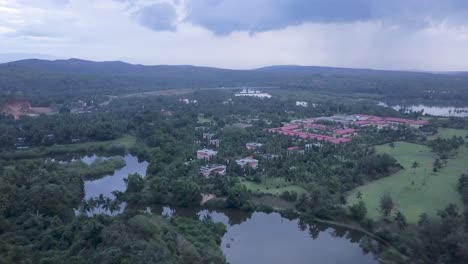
(158, 17)
(226, 16)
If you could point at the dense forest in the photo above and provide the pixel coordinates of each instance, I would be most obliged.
(49, 82)
(44, 217)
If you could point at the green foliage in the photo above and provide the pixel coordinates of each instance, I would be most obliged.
(386, 205)
(358, 210)
(445, 146)
(97, 169)
(237, 196)
(38, 225)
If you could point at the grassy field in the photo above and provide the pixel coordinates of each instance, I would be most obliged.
(274, 186)
(204, 120)
(419, 190)
(449, 133)
(122, 143)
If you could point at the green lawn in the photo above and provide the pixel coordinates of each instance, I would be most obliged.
(274, 186)
(204, 120)
(449, 133)
(415, 191)
(125, 142)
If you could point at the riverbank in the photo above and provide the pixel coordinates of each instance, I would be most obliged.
(120, 145)
(269, 204)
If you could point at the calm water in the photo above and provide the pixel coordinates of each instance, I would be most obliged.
(113, 182)
(433, 110)
(262, 238)
(257, 237)
(109, 183)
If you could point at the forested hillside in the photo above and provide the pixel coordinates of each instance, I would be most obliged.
(62, 80)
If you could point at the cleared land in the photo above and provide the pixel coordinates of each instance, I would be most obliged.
(273, 186)
(415, 190)
(204, 120)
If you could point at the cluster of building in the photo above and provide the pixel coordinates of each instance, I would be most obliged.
(220, 169)
(335, 129)
(302, 103)
(247, 92)
(20, 143)
(188, 101)
(381, 122)
(307, 130)
(81, 107)
(339, 129)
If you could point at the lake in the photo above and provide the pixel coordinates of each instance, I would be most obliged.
(432, 110)
(113, 182)
(263, 238)
(256, 237)
(109, 183)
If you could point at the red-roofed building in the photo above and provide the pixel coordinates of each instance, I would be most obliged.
(248, 162)
(206, 154)
(346, 132)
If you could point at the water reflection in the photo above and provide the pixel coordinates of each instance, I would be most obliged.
(431, 110)
(114, 182)
(258, 237)
(109, 183)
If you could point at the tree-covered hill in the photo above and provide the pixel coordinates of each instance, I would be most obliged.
(59, 80)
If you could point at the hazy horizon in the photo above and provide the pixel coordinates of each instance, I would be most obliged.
(51, 58)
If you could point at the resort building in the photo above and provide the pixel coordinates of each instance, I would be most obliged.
(214, 142)
(247, 162)
(253, 145)
(252, 93)
(303, 104)
(206, 154)
(213, 169)
(208, 136)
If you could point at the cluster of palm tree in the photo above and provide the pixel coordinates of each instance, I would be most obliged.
(99, 205)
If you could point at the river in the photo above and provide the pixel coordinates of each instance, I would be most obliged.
(432, 110)
(256, 237)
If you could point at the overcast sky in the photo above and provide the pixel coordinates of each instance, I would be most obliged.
(383, 34)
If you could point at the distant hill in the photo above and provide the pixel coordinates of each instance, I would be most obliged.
(64, 79)
(9, 57)
(77, 66)
(297, 69)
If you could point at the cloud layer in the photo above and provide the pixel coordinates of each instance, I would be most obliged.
(227, 16)
(384, 34)
(158, 17)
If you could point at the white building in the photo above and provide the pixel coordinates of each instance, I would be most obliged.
(247, 162)
(216, 169)
(253, 145)
(301, 103)
(253, 93)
